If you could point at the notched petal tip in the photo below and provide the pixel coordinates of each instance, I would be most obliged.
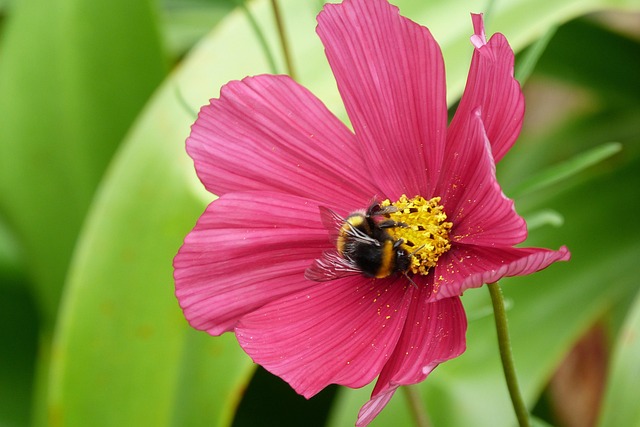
(478, 39)
(470, 266)
(564, 254)
(491, 84)
(372, 408)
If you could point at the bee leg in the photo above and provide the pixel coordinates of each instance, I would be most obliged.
(398, 243)
(376, 210)
(389, 223)
(410, 280)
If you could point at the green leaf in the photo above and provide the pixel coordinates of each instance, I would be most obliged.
(620, 405)
(544, 217)
(572, 58)
(184, 22)
(556, 173)
(213, 374)
(120, 297)
(73, 75)
(527, 61)
(122, 338)
(4, 6)
(537, 422)
(11, 257)
(19, 335)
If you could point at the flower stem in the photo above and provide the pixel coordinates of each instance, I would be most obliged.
(415, 406)
(504, 343)
(286, 50)
(260, 35)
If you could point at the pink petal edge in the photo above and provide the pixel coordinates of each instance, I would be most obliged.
(469, 266)
(374, 406)
(473, 200)
(491, 86)
(233, 262)
(433, 333)
(272, 121)
(478, 39)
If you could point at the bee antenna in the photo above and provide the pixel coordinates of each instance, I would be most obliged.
(419, 248)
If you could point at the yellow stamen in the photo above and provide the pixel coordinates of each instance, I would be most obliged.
(423, 227)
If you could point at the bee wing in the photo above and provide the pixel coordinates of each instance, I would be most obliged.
(334, 222)
(330, 266)
(331, 221)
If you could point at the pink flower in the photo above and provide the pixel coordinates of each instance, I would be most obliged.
(276, 156)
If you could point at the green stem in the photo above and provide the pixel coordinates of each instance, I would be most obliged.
(184, 104)
(504, 343)
(415, 406)
(260, 35)
(286, 51)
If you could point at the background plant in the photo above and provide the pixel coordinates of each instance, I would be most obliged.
(96, 194)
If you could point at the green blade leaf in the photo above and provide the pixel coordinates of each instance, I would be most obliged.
(122, 339)
(11, 256)
(544, 217)
(19, 335)
(184, 22)
(73, 75)
(567, 169)
(528, 60)
(571, 58)
(620, 405)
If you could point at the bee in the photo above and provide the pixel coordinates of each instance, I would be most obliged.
(362, 245)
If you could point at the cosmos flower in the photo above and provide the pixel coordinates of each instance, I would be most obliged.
(263, 260)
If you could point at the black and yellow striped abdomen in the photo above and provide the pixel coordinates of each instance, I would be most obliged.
(367, 246)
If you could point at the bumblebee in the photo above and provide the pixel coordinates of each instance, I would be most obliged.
(362, 245)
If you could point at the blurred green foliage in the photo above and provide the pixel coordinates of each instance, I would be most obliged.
(97, 193)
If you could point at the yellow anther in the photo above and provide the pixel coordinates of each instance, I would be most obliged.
(423, 227)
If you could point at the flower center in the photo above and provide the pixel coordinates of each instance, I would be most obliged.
(423, 228)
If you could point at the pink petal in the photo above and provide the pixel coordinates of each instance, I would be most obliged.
(339, 332)
(478, 39)
(374, 406)
(492, 87)
(466, 266)
(246, 250)
(433, 333)
(481, 214)
(390, 73)
(268, 133)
